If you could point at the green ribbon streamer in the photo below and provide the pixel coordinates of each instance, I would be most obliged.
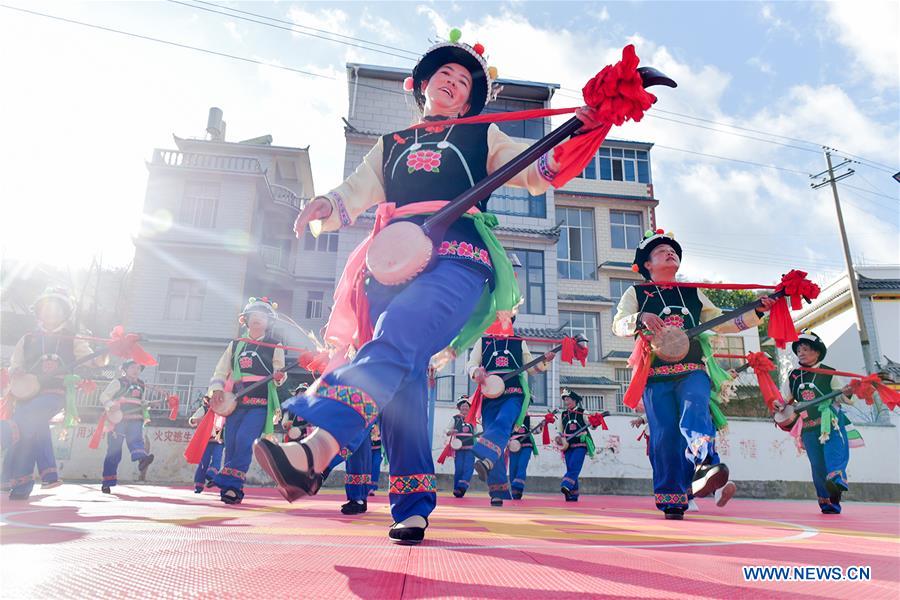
(717, 376)
(69, 382)
(506, 295)
(827, 415)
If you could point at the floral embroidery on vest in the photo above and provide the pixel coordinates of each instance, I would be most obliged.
(424, 160)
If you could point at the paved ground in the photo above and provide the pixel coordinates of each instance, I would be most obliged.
(153, 541)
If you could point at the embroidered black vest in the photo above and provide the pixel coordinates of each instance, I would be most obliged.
(809, 386)
(375, 436)
(522, 433)
(46, 352)
(464, 431)
(684, 314)
(440, 166)
(572, 421)
(255, 360)
(131, 391)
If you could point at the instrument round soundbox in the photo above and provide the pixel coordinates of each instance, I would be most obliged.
(294, 433)
(115, 415)
(785, 418)
(456, 443)
(492, 386)
(515, 445)
(24, 386)
(398, 253)
(671, 344)
(225, 406)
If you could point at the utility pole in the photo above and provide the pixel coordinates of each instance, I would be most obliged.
(861, 328)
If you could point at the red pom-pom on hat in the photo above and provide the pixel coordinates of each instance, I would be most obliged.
(408, 84)
(635, 268)
(479, 49)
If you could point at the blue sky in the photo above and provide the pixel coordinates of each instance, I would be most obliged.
(90, 106)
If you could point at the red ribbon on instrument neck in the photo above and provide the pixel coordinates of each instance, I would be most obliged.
(864, 386)
(447, 453)
(572, 350)
(193, 454)
(125, 345)
(173, 401)
(94, 443)
(596, 420)
(477, 400)
(762, 367)
(549, 418)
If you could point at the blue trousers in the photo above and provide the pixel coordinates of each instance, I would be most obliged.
(130, 431)
(498, 416)
(681, 432)
(389, 376)
(242, 428)
(209, 463)
(44, 457)
(30, 424)
(358, 476)
(574, 463)
(463, 465)
(376, 468)
(828, 461)
(518, 468)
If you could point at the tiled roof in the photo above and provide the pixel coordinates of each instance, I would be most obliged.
(573, 380)
(865, 283)
(540, 333)
(623, 354)
(616, 263)
(553, 232)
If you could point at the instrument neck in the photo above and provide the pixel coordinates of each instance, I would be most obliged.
(529, 365)
(728, 316)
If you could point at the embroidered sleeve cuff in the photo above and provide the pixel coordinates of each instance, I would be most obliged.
(340, 208)
(544, 169)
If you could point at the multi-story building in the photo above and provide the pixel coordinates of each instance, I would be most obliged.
(217, 229)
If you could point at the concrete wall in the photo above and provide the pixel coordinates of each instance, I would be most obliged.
(762, 459)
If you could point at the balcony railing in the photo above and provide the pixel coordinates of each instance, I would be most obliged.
(210, 162)
(273, 256)
(285, 196)
(156, 395)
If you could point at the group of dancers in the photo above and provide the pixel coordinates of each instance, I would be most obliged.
(384, 337)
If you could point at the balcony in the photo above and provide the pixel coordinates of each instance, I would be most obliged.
(275, 257)
(285, 196)
(208, 162)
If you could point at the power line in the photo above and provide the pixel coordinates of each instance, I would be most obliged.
(290, 29)
(320, 76)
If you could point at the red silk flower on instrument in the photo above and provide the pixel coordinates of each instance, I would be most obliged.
(125, 345)
(864, 386)
(549, 419)
(596, 420)
(173, 401)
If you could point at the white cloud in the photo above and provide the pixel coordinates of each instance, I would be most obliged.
(380, 26)
(232, 29)
(328, 19)
(603, 15)
(870, 30)
(764, 67)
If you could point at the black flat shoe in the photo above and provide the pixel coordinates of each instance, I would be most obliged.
(354, 508)
(496, 501)
(709, 478)
(143, 464)
(517, 496)
(105, 489)
(210, 482)
(292, 484)
(231, 496)
(567, 493)
(483, 466)
(459, 493)
(407, 536)
(674, 514)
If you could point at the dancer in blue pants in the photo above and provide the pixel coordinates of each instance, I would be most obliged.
(409, 174)
(828, 452)
(245, 363)
(211, 462)
(126, 393)
(463, 459)
(498, 352)
(376, 458)
(43, 354)
(519, 459)
(581, 445)
(677, 395)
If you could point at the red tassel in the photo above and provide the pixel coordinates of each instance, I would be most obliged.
(571, 350)
(545, 435)
(98, 433)
(448, 452)
(173, 401)
(640, 362)
(762, 366)
(475, 407)
(125, 345)
(890, 397)
(197, 446)
(781, 327)
(596, 420)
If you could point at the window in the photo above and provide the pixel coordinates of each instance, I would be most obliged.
(184, 302)
(198, 207)
(577, 256)
(617, 289)
(619, 164)
(531, 128)
(176, 373)
(730, 344)
(626, 228)
(585, 324)
(518, 202)
(314, 301)
(530, 277)
(623, 378)
(326, 242)
(538, 385)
